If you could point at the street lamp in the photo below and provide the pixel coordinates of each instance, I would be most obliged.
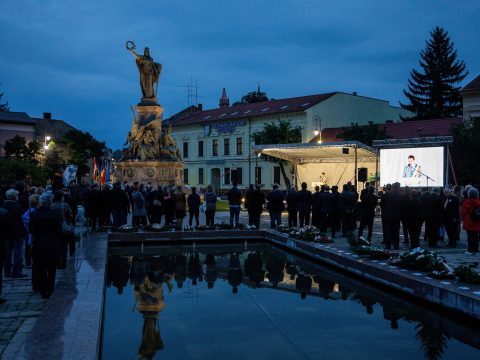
(318, 128)
(45, 142)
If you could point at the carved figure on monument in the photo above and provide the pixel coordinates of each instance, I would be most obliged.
(149, 72)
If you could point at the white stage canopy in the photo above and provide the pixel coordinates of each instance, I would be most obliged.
(339, 161)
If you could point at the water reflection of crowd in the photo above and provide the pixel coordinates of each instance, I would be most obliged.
(255, 269)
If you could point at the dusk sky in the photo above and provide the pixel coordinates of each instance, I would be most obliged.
(69, 57)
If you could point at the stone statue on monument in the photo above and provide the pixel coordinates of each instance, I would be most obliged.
(149, 72)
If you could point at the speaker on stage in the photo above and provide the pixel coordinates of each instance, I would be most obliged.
(362, 174)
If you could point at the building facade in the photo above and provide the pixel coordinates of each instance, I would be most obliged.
(216, 144)
(471, 99)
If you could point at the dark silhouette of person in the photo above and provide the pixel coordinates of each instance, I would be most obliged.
(211, 272)
(292, 270)
(304, 204)
(180, 270)
(303, 284)
(348, 203)
(292, 207)
(368, 205)
(335, 218)
(413, 217)
(316, 205)
(4, 223)
(275, 268)
(325, 286)
(254, 268)
(234, 272)
(195, 268)
(118, 272)
(392, 217)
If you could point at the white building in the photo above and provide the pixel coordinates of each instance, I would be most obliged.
(471, 99)
(216, 144)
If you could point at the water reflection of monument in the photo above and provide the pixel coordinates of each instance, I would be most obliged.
(152, 154)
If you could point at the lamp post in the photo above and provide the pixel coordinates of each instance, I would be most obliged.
(318, 128)
(45, 143)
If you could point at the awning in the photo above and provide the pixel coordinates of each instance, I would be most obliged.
(332, 152)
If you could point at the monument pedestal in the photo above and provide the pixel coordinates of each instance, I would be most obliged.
(157, 172)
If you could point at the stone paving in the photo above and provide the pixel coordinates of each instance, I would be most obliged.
(19, 314)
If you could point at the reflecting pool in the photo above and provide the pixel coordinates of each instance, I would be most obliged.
(254, 301)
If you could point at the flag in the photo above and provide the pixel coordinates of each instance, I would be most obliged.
(95, 170)
(102, 173)
(69, 174)
(107, 172)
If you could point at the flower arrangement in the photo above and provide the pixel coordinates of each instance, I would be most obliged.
(308, 233)
(283, 229)
(467, 274)
(126, 229)
(421, 260)
(157, 227)
(323, 239)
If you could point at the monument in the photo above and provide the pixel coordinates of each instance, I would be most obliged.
(152, 154)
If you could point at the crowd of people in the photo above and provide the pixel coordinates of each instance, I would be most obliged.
(37, 225)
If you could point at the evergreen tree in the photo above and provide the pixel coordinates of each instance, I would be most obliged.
(432, 91)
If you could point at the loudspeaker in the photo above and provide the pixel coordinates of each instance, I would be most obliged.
(345, 150)
(362, 174)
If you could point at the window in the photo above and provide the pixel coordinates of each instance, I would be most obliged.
(276, 175)
(185, 176)
(226, 146)
(258, 175)
(200, 176)
(215, 147)
(239, 146)
(239, 176)
(226, 176)
(200, 148)
(185, 149)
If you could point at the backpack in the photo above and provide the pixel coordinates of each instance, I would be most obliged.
(475, 215)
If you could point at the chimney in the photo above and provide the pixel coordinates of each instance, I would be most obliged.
(47, 115)
(200, 107)
(354, 93)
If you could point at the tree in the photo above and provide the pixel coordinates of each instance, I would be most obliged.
(365, 133)
(278, 133)
(253, 97)
(3, 106)
(432, 91)
(18, 149)
(81, 147)
(464, 151)
(433, 341)
(13, 169)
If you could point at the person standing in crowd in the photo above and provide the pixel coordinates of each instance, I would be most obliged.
(275, 206)
(383, 205)
(193, 201)
(46, 230)
(326, 208)
(292, 207)
(120, 205)
(404, 195)
(316, 207)
(168, 206)
(347, 203)
(64, 212)
(93, 204)
(471, 220)
(413, 217)
(451, 217)
(4, 227)
(156, 207)
(72, 199)
(304, 204)
(106, 206)
(34, 204)
(180, 206)
(256, 205)
(148, 200)
(335, 219)
(139, 214)
(234, 200)
(368, 204)
(13, 265)
(210, 199)
(432, 212)
(248, 200)
(392, 217)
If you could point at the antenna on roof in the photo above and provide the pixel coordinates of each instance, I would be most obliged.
(192, 92)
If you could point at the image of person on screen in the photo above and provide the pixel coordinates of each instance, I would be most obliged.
(412, 170)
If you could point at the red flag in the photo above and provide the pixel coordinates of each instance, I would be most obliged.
(95, 170)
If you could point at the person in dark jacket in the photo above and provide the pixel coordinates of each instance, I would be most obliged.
(156, 206)
(304, 204)
(256, 204)
(4, 224)
(180, 202)
(316, 207)
(451, 217)
(292, 207)
(120, 205)
(15, 239)
(471, 225)
(368, 204)
(335, 219)
(234, 275)
(168, 206)
(275, 206)
(326, 208)
(392, 217)
(413, 217)
(432, 212)
(234, 200)
(106, 206)
(193, 201)
(210, 199)
(248, 200)
(383, 204)
(46, 230)
(93, 204)
(347, 206)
